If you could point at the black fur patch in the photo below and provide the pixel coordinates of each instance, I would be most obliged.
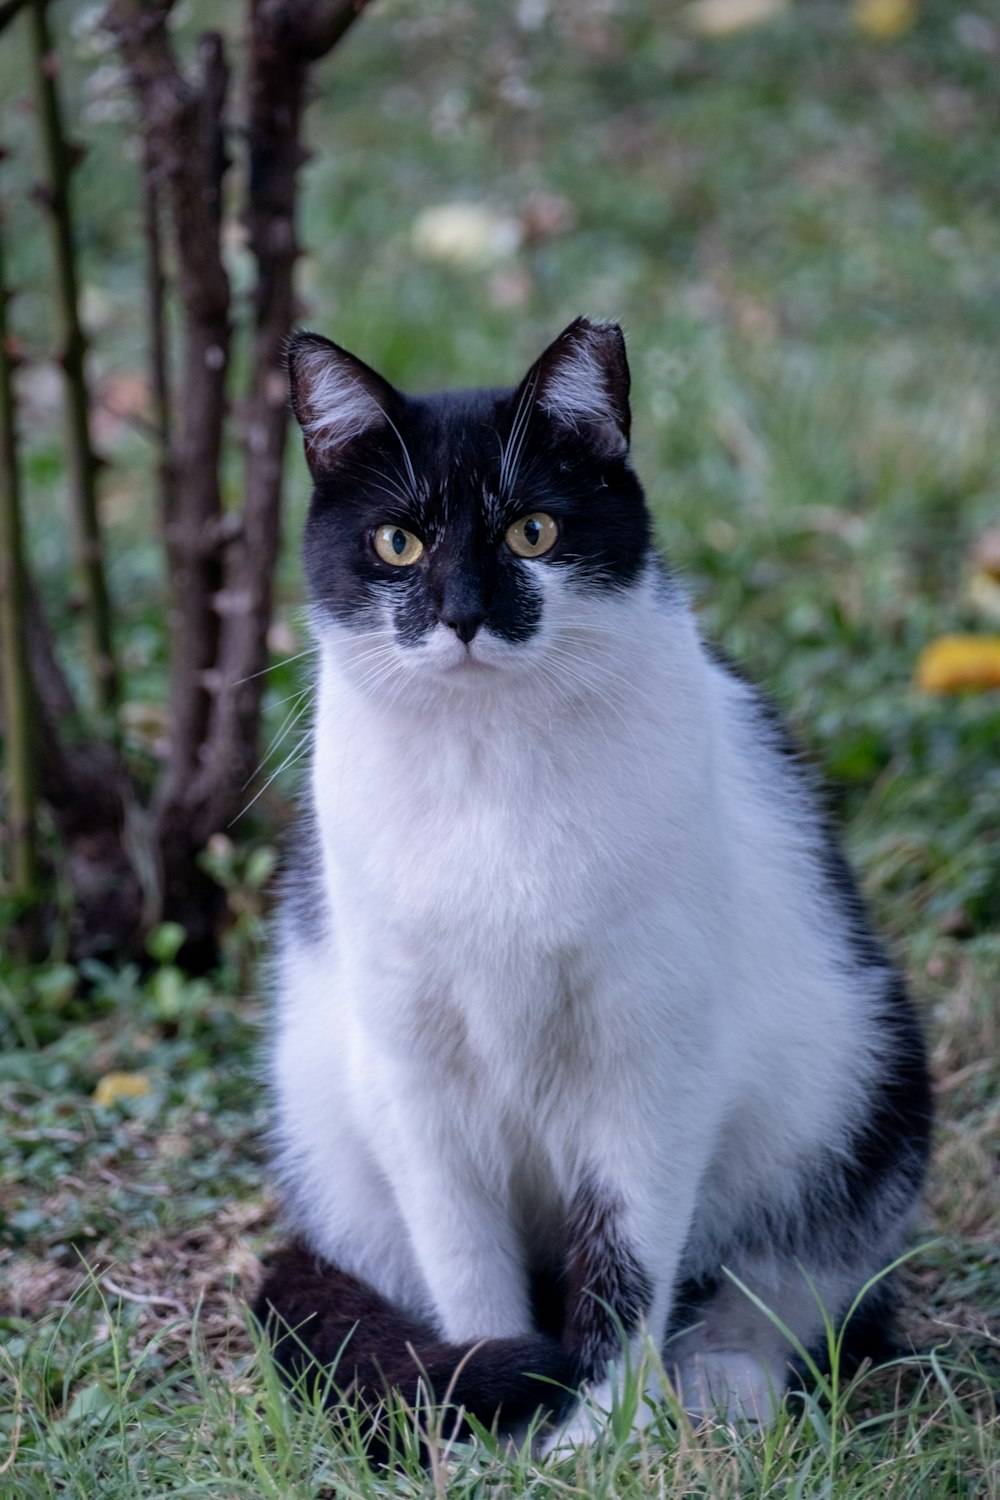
(318, 1316)
(608, 1291)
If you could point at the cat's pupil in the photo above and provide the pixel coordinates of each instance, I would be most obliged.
(532, 531)
(399, 542)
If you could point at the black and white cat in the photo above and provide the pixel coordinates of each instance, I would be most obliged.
(577, 1005)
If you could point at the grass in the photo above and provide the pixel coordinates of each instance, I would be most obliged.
(799, 228)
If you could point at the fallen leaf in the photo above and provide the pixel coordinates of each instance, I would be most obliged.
(956, 662)
(723, 17)
(884, 19)
(115, 1086)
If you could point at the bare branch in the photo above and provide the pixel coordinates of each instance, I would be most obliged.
(82, 458)
(320, 24)
(18, 695)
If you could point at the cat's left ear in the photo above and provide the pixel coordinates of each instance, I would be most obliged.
(582, 382)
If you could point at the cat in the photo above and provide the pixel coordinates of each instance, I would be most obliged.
(578, 1013)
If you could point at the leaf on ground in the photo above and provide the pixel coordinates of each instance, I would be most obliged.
(884, 19)
(957, 662)
(115, 1086)
(723, 17)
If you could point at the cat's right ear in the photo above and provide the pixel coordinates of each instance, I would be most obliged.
(335, 397)
(581, 382)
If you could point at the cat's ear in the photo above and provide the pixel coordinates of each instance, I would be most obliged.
(335, 397)
(582, 382)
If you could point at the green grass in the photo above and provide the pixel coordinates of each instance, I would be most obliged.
(799, 229)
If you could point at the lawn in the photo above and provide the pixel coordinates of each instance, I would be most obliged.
(798, 225)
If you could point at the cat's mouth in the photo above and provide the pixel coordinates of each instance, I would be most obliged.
(469, 661)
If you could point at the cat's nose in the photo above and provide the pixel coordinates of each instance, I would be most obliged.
(464, 604)
(464, 623)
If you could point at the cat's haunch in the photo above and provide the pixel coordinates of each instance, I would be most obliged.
(580, 1027)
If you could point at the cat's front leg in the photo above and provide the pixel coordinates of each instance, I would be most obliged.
(450, 1190)
(626, 1233)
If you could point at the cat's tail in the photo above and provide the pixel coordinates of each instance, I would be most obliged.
(317, 1315)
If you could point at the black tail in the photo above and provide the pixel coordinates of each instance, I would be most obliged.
(315, 1314)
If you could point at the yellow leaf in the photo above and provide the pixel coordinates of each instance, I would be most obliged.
(722, 17)
(884, 19)
(960, 661)
(115, 1086)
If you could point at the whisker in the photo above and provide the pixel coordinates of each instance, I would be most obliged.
(289, 760)
(275, 665)
(291, 719)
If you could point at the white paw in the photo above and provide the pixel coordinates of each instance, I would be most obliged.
(729, 1386)
(585, 1426)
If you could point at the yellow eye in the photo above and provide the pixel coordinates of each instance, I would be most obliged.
(532, 535)
(396, 546)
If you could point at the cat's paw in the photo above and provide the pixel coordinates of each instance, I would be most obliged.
(592, 1416)
(585, 1426)
(729, 1386)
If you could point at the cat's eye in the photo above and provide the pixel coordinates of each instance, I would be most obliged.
(532, 535)
(396, 546)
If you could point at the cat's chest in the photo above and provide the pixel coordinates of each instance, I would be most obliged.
(462, 836)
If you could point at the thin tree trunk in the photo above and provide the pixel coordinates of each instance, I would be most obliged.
(185, 147)
(18, 694)
(285, 38)
(156, 328)
(83, 461)
(222, 565)
(275, 95)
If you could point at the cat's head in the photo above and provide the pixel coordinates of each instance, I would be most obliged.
(459, 535)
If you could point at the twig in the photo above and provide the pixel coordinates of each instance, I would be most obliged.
(82, 458)
(150, 1299)
(18, 694)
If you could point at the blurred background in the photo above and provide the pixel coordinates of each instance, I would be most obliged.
(792, 208)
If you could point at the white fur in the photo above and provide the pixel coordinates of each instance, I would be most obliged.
(572, 924)
(337, 405)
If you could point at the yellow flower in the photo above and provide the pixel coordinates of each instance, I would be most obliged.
(884, 19)
(955, 662)
(115, 1086)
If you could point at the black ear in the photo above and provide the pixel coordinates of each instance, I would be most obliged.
(582, 382)
(335, 397)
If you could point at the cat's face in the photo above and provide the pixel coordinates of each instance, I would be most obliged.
(471, 533)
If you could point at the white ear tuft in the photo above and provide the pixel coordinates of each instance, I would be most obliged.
(583, 382)
(335, 397)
